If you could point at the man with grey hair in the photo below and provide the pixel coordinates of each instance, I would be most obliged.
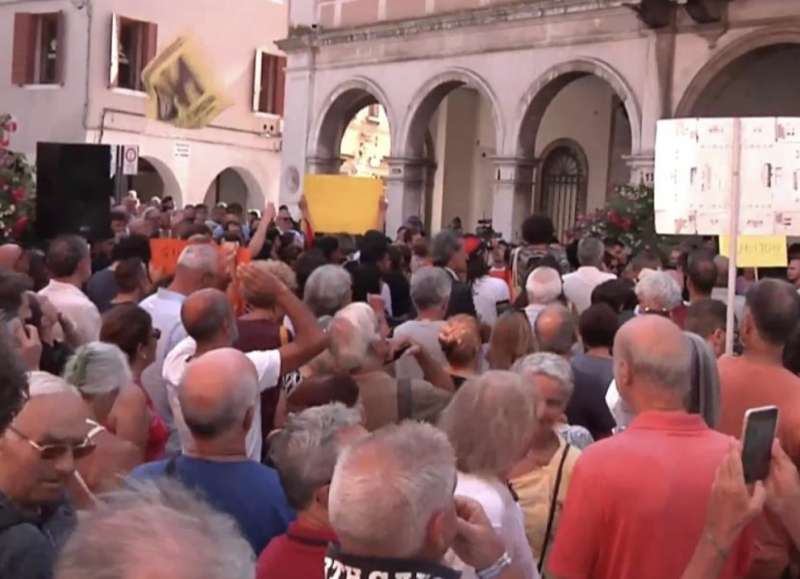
(305, 453)
(117, 539)
(658, 294)
(394, 513)
(358, 348)
(198, 268)
(448, 253)
(430, 292)
(555, 330)
(328, 289)
(614, 528)
(578, 286)
(543, 288)
(218, 397)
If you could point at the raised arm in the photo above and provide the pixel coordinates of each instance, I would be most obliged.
(259, 237)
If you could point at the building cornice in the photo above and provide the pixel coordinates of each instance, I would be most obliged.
(303, 38)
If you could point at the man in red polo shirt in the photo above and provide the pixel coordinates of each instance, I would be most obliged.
(305, 454)
(758, 378)
(636, 505)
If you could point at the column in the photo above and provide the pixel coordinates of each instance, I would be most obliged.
(323, 165)
(513, 190)
(405, 186)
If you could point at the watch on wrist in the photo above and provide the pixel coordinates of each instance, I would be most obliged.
(496, 569)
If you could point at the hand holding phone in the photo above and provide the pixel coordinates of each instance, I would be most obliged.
(760, 425)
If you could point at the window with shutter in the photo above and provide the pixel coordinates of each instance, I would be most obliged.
(38, 49)
(134, 45)
(270, 83)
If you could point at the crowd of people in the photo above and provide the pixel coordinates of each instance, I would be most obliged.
(440, 406)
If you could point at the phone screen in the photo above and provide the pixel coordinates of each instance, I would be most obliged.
(759, 432)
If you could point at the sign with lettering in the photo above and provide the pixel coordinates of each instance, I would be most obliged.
(182, 91)
(757, 250)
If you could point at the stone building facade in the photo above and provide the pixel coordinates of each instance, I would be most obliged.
(496, 108)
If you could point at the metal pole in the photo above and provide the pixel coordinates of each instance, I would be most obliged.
(733, 231)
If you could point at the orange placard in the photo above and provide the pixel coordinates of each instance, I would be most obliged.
(164, 254)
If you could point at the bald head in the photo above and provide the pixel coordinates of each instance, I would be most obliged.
(9, 255)
(217, 393)
(555, 330)
(205, 314)
(651, 350)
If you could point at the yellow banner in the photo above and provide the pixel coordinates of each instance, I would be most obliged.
(757, 250)
(182, 91)
(342, 204)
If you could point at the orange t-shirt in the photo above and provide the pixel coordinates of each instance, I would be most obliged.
(636, 505)
(748, 384)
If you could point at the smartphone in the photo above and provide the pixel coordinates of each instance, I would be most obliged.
(758, 433)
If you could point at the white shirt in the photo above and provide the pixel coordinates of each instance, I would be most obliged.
(268, 369)
(506, 518)
(533, 311)
(487, 292)
(78, 308)
(578, 286)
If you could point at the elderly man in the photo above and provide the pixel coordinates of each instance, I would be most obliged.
(430, 292)
(38, 453)
(637, 501)
(758, 378)
(658, 293)
(359, 348)
(543, 289)
(209, 319)
(449, 254)
(578, 286)
(198, 267)
(305, 453)
(404, 520)
(556, 331)
(194, 540)
(218, 398)
(328, 289)
(70, 264)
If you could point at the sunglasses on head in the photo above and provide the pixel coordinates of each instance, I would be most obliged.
(56, 451)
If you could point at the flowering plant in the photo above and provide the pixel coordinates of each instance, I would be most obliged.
(629, 216)
(17, 186)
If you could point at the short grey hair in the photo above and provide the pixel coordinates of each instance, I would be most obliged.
(328, 289)
(550, 365)
(117, 539)
(430, 287)
(387, 487)
(305, 451)
(660, 289)
(200, 257)
(543, 285)
(444, 245)
(353, 332)
(98, 368)
(591, 251)
(489, 422)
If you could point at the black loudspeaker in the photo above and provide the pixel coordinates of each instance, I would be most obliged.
(74, 188)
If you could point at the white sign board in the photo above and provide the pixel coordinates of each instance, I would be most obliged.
(130, 160)
(182, 150)
(697, 160)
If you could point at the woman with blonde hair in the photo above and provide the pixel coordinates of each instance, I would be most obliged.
(511, 340)
(460, 339)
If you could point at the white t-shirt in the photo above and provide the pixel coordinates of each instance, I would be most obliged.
(506, 518)
(579, 285)
(268, 369)
(487, 292)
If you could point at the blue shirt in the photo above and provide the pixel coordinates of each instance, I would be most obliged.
(249, 492)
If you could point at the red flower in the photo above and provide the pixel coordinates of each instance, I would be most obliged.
(18, 194)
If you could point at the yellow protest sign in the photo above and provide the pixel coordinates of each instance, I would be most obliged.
(181, 89)
(757, 250)
(342, 204)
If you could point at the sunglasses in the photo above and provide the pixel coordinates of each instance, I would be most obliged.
(56, 451)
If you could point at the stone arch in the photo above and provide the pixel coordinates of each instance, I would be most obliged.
(534, 103)
(411, 139)
(254, 198)
(771, 36)
(338, 109)
(171, 186)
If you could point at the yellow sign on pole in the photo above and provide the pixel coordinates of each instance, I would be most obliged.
(182, 91)
(342, 204)
(758, 250)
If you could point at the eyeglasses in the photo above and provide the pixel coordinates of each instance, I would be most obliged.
(56, 451)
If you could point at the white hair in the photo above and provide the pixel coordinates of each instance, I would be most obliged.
(43, 383)
(591, 251)
(489, 422)
(658, 290)
(328, 289)
(543, 285)
(549, 365)
(121, 535)
(305, 451)
(98, 368)
(430, 287)
(388, 486)
(200, 256)
(353, 331)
